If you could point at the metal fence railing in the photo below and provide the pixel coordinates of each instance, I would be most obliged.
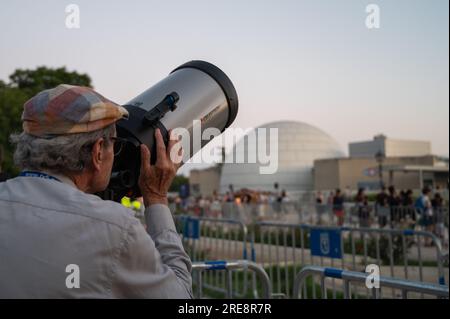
(212, 239)
(208, 238)
(351, 278)
(283, 249)
(348, 214)
(262, 282)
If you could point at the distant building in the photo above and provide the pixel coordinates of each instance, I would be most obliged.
(389, 147)
(309, 160)
(402, 172)
(299, 144)
(203, 182)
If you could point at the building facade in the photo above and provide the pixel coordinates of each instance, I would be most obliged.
(389, 148)
(204, 182)
(402, 172)
(298, 145)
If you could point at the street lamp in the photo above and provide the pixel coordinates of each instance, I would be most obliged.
(379, 157)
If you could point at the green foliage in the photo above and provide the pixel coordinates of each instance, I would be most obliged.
(42, 78)
(177, 182)
(23, 85)
(11, 101)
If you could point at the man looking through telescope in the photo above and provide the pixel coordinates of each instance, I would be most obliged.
(50, 219)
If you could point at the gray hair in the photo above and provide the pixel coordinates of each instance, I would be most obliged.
(59, 153)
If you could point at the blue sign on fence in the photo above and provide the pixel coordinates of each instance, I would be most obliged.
(191, 228)
(184, 191)
(326, 243)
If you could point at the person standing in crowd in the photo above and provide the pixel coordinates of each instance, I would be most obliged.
(362, 205)
(216, 206)
(393, 202)
(382, 209)
(408, 200)
(408, 203)
(401, 196)
(229, 197)
(439, 216)
(382, 196)
(425, 209)
(338, 207)
(330, 198)
(246, 199)
(319, 198)
(329, 205)
(283, 197)
(438, 190)
(393, 198)
(320, 207)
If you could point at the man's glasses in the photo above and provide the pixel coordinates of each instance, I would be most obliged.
(118, 144)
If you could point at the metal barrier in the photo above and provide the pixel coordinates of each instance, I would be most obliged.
(207, 238)
(351, 215)
(284, 248)
(349, 277)
(212, 238)
(228, 266)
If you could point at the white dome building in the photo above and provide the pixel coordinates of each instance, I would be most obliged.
(299, 144)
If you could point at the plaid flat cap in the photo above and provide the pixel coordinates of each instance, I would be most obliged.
(68, 109)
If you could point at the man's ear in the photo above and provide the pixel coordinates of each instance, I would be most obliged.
(97, 154)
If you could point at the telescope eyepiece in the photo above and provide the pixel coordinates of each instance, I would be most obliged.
(158, 112)
(172, 98)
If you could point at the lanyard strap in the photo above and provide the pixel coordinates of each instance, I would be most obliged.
(38, 174)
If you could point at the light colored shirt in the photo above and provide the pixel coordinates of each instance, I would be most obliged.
(47, 226)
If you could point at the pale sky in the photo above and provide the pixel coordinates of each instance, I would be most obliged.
(312, 61)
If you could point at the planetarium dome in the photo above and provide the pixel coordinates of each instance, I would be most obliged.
(299, 144)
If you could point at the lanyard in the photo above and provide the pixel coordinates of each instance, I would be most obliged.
(38, 174)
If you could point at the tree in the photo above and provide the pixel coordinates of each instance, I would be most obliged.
(11, 101)
(34, 81)
(23, 85)
(177, 182)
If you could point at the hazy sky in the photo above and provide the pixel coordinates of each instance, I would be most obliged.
(313, 61)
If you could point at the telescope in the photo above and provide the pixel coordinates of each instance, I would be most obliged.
(196, 90)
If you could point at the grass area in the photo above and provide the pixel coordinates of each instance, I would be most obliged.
(425, 263)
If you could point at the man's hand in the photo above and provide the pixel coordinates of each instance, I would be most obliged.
(155, 180)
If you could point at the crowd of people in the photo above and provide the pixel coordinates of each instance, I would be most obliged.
(212, 206)
(390, 208)
(387, 208)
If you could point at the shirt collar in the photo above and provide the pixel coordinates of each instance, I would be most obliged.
(63, 178)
